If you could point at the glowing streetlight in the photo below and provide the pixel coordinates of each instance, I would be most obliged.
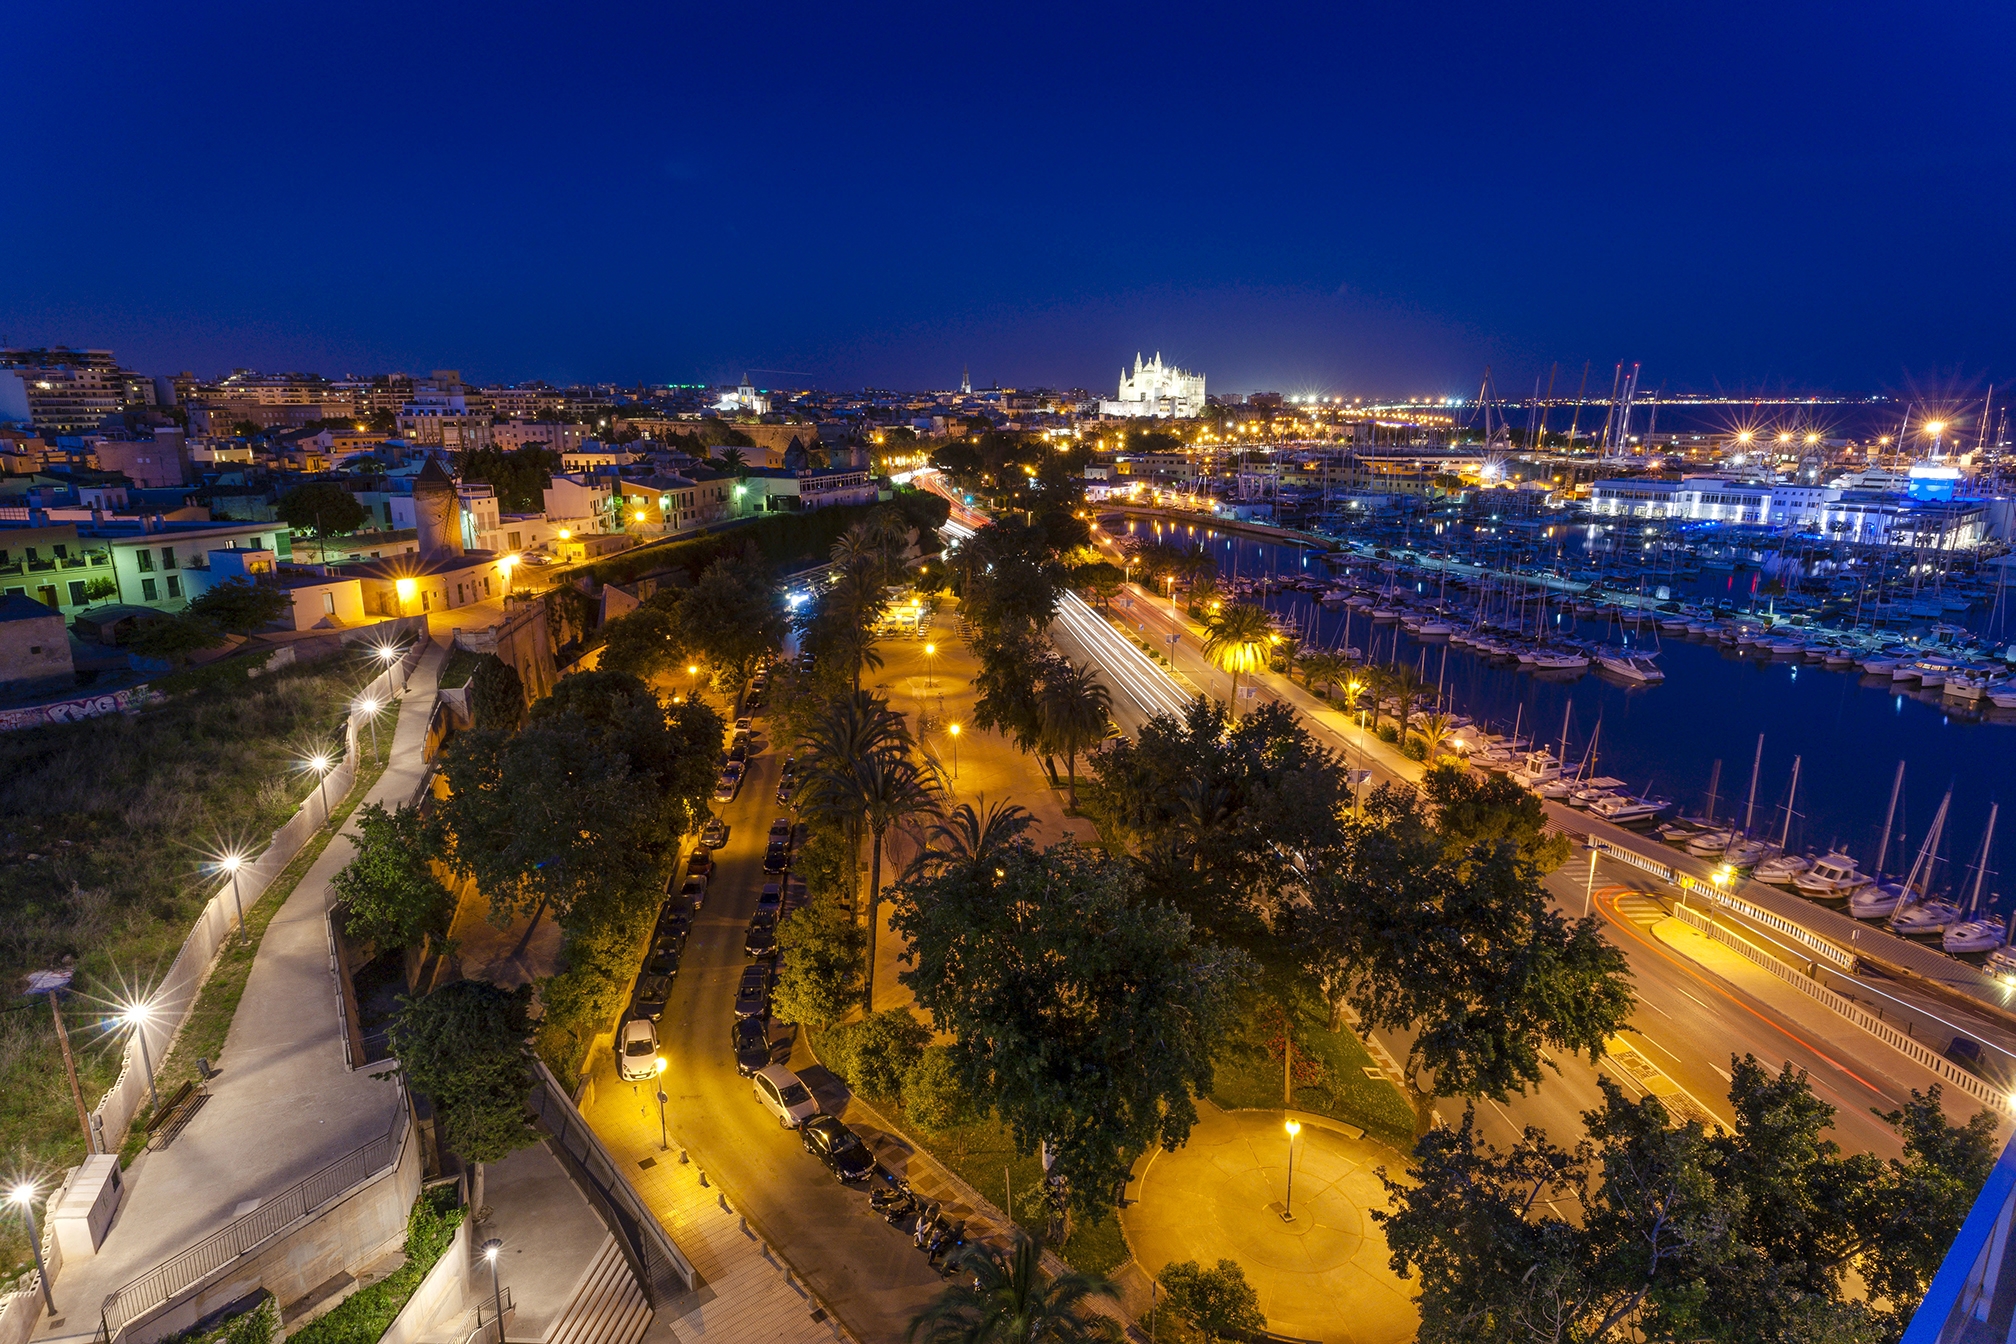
(490, 1250)
(405, 588)
(664, 1140)
(930, 668)
(505, 564)
(954, 730)
(322, 765)
(137, 1017)
(1288, 1205)
(231, 863)
(24, 1195)
(369, 709)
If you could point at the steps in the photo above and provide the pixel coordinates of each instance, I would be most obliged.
(607, 1308)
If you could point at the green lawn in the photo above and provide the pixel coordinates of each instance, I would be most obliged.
(461, 665)
(1345, 1093)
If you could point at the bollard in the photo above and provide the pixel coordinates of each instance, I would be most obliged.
(683, 1159)
(723, 1200)
(703, 1174)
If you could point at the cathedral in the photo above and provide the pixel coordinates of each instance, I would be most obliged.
(1155, 388)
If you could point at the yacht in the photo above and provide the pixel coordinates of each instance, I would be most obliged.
(1539, 768)
(2003, 696)
(1620, 810)
(2002, 964)
(1559, 660)
(1710, 843)
(1830, 877)
(1782, 870)
(1975, 935)
(1875, 899)
(1748, 853)
(1933, 916)
(1637, 667)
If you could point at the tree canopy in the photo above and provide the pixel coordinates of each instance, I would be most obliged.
(464, 1046)
(326, 507)
(240, 606)
(392, 896)
(520, 476)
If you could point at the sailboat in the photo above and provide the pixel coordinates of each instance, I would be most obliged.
(1782, 867)
(1876, 897)
(1920, 912)
(1981, 929)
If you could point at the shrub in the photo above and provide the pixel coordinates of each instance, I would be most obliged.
(365, 1315)
(1415, 748)
(874, 1055)
(1217, 1303)
(935, 1096)
(1386, 732)
(820, 979)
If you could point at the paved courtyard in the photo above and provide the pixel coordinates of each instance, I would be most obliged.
(1322, 1276)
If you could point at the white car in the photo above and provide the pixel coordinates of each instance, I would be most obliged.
(781, 1092)
(637, 1050)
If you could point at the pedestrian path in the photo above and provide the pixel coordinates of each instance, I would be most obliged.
(283, 1103)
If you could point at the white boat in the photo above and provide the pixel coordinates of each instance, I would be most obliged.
(1674, 625)
(1783, 648)
(2002, 964)
(1383, 614)
(1557, 789)
(1830, 877)
(1933, 916)
(1637, 667)
(1880, 667)
(1782, 870)
(1708, 844)
(1966, 686)
(1748, 853)
(1435, 629)
(1975, 935)
(1620, 809)
(1875, 900)
(2003, 697)
(1539, 768)
(1553, 660)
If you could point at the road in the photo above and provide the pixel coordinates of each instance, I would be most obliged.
(1689, 1022)
(868, 1273)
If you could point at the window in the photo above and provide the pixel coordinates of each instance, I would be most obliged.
(328, 604)
(486, 586)
(512, 539)
(143, 555)
(76, 592)
(174, 586)
(167, 557)
(147, 588)
(62, 552)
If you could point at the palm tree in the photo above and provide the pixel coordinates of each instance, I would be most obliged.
(1203, 594)
(1077, 711)
(1436, 729)
(888, 787)
(1202, 809)
(1320, 669)
(1378, 680)
(847, 729)
(734, 459)
(1236, 640)
(972, 838)
(1408, 687)
(1010, 1302)
(854, 605)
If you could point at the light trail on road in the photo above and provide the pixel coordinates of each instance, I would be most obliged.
(1131, 670)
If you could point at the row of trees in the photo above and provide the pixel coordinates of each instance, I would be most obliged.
(729, 621)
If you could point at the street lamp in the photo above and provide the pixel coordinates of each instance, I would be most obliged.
(322, 765)
(954, 730)
(1288, 1205)
(504, 567)
(490, 1249)
(930, 669)
(231, 863)
(404, 588)
(24, 1195)
(664, 1141)
(137, 1018)
(1589, 892)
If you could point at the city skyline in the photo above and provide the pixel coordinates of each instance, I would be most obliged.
(1750, 203)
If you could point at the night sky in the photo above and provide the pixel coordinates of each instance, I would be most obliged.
(1347, 199)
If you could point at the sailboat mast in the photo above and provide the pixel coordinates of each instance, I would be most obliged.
(1785, 836)
(1564, 733)
(1714, 782)
(1750, 808)
(1883, 847)
(1981, 870)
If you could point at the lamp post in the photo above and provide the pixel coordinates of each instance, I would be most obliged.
(954, 730)
(1589, 892)
(490, 1249)
(664, 1140)
(930, 668)
(321, 765)
(369, 709)
(136, 1017)
(24, 1195)
(693, 671)
(1288, 1205)
(231, 863)
(388, 654)
(504, 567)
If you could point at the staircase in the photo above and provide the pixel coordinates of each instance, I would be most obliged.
(607, 1307)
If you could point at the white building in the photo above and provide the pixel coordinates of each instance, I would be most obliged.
(744, 400)
(1157, 389)
(1851, 515)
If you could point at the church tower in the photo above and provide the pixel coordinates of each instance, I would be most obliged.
(965, 381)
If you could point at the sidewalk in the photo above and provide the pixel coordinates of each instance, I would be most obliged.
(282, 1104)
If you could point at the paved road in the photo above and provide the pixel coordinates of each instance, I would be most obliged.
(867, 1272)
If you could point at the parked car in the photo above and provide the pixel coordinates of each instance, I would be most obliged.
(744, 725)
(669, 941)
(790, 767)
(781, 1092)
(700, 865)
(780, 830)
(664, 961)
(771, 899)
(749, 1038)
(784, 792)
(761, 940)
(776, 859)
(729, 784)
(637, 1050)
(715, 834)
(838, 1147)
(754, 704)
(760, 682)
(694, 889)
(648, 999)
(739, 753)
(752, 995)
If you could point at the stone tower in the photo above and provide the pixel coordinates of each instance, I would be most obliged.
(437, 511)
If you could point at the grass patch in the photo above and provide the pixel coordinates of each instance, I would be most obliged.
(107, 830)
(365, 1315)
(1344, 1093)
(983, 1155)
(208, 1025)
(461, 666)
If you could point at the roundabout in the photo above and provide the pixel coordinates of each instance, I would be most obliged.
(1314, 1255)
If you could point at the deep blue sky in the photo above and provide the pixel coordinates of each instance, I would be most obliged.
(1340, 198)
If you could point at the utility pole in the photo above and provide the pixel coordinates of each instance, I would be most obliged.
(70, 1068)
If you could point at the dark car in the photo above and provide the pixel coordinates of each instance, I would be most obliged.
(771, 900)
(669, 941)
(648, 1000)
(790, 767)
(780, 831)
(749, 1038)
(739, 752)
(838, 1147)
(754, 704)
(700, 865)
(784, 792)
(665, 962)
(752, 996)
(761, 940)
(777, 858)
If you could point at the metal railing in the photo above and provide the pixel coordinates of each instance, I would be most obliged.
(1912, 1049)
(1756, 914)
(172, 1278)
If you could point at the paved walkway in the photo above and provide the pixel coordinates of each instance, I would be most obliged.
(1322, 1276)
(282, 1104)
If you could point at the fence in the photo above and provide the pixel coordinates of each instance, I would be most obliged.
(1916, 1051)
(661, 1269)
(1833, 952)
(171, 999)
(300, 1202)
